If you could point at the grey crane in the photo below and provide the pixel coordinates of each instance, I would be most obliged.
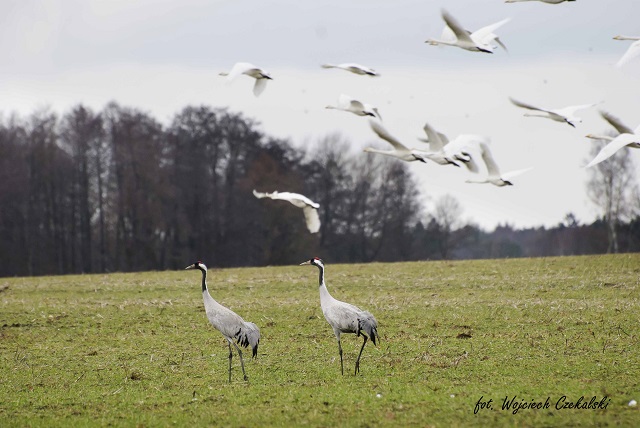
(230, 324)
(344, 317)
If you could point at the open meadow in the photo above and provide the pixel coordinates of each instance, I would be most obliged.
(137, 350)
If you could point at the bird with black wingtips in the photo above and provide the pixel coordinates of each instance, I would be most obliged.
(309, 208)
(565, 114)
(344, 317)
(353, 68)
(231, 325)
(477, 41)
(248, 69)
(626, 137)
(399, 151)
(493, 172)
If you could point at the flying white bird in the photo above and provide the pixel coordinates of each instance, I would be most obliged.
(632, 52)
(443, 152)
(478, 41)
(250, 70)
(346, 103)
(344, 317)
(626, 138)
(400, 151)
(566, 114)
(543, 1)
(227, 322)
(354, 68)
(309, 208)
(493, 172)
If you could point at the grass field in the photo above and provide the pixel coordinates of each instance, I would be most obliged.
(137, 349)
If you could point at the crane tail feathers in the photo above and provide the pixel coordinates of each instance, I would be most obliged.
(368, 325)
(249, 334)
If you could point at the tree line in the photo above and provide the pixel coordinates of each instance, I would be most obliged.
(115, 190)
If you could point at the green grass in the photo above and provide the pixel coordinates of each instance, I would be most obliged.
(137, 349)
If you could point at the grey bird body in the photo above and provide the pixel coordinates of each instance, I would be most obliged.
(344, 317)
(231, 325)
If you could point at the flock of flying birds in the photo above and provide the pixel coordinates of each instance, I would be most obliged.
(469, 151)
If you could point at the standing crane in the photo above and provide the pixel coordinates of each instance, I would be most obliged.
(230, 324)
(344, 317)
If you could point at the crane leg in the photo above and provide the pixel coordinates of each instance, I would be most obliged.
(340, 351)
(241, 362)
(360, 354)
(230, 357)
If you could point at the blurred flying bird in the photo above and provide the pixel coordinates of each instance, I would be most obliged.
(493, 172)
(478, 41)
(543, 1)
(309, 208)
(346, 103)
(250, 70)
(354, 68)
(566, 114)
(627, 137)
(230, 324)
(400, 151)
(631, 53)
(461, 150)
(344, 317)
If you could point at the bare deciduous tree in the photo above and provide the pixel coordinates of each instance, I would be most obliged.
(447, 215)
(612, 187)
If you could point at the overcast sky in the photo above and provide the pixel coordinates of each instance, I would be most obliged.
(160, 56)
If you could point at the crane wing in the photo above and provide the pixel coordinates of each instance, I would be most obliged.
(612, 147)
(249, 335)
(382, 133)
(616, 123)
(312, 218)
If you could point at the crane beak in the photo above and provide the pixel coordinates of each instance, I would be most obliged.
(190, 267)
(308, 262)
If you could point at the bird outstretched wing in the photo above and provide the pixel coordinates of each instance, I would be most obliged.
(259, 86)
(455, 26)
(434, 138)
(382, 133)
(260, 195)
(528, 106)
(312, 218)
(616, 123)
(511, 174)
(632, 52)
(612, 147)
(238, 69)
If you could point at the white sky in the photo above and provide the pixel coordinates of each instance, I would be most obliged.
(160, 56)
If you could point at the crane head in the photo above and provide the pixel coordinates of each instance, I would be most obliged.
(316, 261)
(197, 265)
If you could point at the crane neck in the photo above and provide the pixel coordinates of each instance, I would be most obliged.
(325, 297)
(321, 276)
(204, 280)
